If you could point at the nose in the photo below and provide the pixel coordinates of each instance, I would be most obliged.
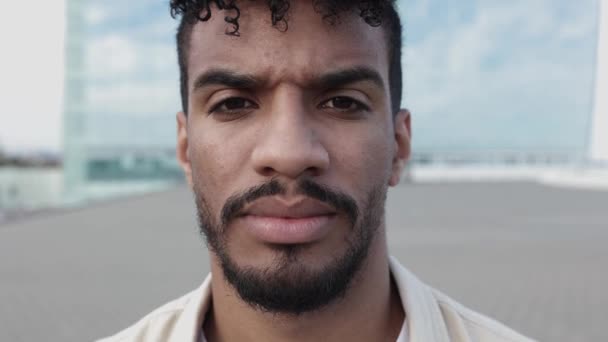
(289, 145)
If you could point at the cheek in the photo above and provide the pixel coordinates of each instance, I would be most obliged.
(376, 163)
(365, 161)
(214, 168)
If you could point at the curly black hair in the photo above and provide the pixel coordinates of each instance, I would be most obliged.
(373, 12)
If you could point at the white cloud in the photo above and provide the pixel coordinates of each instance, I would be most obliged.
(579, 27)
(95, 14)
(110, 56)
(115, 56)
(134, 97)
(507, 77)
(131, 76)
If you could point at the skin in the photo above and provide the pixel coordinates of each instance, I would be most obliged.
(289, 128)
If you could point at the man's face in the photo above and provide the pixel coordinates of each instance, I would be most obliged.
(289, 145)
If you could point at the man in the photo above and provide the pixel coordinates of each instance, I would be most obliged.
(290, 135)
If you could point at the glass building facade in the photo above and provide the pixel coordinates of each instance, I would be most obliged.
(121, 95)
(74, 106)
(599, 127)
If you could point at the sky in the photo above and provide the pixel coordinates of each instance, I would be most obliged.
(515, 75)
(31, 69)
(479, 75)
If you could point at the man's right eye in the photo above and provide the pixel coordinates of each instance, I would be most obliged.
(233, 105)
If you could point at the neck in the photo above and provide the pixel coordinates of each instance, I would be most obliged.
(371, 304)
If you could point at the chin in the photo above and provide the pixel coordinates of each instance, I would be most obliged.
(294, 279)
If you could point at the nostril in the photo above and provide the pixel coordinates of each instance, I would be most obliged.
(268, 171)
(314, 171)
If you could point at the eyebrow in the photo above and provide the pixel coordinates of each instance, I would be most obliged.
(330, 80)
(340, 78)
(226, 78)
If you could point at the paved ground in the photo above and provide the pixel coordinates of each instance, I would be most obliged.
(534, 257)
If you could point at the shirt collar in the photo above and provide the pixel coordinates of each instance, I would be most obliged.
(188, 326)
(424, 318)
(423, 315)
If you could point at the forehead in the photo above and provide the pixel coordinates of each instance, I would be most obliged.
(310, 46)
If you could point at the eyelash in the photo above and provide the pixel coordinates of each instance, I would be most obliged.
(359, 106)
(216, 108)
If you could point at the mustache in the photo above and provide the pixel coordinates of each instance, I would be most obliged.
(306, 187)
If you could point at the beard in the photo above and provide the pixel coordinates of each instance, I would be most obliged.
(289, 285)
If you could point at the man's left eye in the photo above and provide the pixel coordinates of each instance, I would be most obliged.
(344, 104)
(232, 104)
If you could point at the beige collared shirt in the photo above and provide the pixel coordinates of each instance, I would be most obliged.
(431, 317)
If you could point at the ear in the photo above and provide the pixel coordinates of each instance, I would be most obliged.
(182, 150)
(403, 134)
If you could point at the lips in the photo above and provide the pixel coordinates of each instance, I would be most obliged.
(297, 221)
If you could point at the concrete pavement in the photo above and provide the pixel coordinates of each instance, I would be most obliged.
(532, 256)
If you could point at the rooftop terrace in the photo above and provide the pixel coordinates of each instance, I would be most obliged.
(532, 256)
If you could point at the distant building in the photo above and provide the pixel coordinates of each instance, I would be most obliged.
(118, 133)
(599, 131)
(74, 116)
